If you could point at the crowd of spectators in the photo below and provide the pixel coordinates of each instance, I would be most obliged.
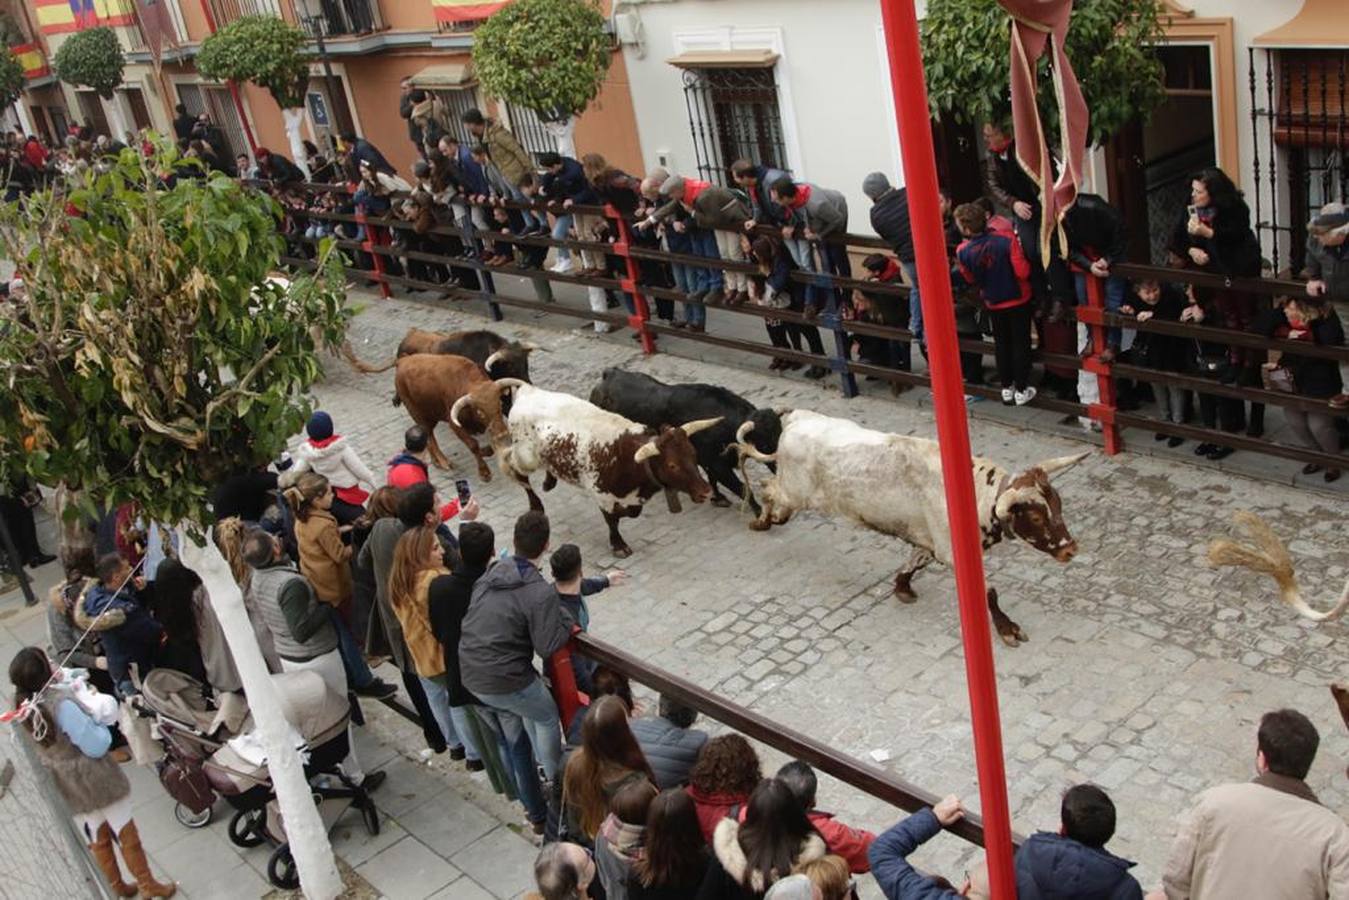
(765, 232)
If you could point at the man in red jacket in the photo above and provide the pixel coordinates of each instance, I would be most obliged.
(997, 266)
(409, 468)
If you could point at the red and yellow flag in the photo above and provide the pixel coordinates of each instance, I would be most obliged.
(65, 16)
(464, 10)
(31, 58)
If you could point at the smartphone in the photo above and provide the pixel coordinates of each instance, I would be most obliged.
(1192, 210)
(462, 489)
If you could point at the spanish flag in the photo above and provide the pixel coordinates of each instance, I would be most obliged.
(31, 58)
(65, 16)
(462, 10)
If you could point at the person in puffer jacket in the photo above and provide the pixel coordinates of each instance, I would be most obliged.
(138, 636)
(1074, 863)
(331, 456)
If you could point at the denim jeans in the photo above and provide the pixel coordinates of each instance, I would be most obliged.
(684, 278)
(535, 706)
(532, 219)
(438, 698)
(353, 660)
(915, 302)
(805, 261)
(560, 229)
(1116, 289)
(513, 741)
(705, 245)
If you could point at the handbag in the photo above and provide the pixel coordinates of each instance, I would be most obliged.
(1278, 378)
(1210, 365)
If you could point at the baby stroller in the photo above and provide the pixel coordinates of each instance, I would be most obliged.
(201, 764)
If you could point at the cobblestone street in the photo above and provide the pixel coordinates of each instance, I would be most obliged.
(1146, 671)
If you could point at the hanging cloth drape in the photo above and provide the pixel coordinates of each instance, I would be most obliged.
(1040, 26)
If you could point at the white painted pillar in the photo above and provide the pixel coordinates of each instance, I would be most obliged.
(308, 839)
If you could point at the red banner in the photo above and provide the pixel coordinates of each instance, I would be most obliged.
(464, 10)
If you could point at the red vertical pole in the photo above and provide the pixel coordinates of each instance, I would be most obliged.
(920, 175)
(1103, 410)
(637, 321)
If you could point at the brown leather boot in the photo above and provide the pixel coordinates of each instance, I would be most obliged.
(134, 854)
(106, 857)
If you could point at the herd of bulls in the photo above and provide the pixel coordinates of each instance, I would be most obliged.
(637, 437)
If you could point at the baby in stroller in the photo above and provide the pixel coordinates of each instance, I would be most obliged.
(212, 752)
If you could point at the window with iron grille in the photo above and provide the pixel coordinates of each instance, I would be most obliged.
(734, 114)
(458, 101)
(529, 130)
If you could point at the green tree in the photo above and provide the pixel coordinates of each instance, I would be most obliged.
(92, 58)
(1111, 44)
(550, 56)
(149, 355)
(11, 77)
(265, 50)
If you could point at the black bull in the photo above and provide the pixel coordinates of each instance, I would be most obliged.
(653, 403)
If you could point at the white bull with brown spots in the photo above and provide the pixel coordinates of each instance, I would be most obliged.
(893, 484)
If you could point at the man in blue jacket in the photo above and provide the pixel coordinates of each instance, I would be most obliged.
(1074, 863)
(564, 181)
(899, 880)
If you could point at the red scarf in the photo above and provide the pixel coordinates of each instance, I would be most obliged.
(802, 195)
(692, 189)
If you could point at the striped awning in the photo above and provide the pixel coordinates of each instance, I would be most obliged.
(464, 10)
(31, 58)
(65, 16)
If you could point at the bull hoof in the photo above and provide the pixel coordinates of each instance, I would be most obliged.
(485, 473)
(549, 482)
(622, 552)
(760, 525)
(720, 502)
(905, 594)
(1013, 636)
(488, 451)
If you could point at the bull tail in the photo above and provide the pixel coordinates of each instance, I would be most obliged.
(746, 449)
(1267, 555)
(360, 365)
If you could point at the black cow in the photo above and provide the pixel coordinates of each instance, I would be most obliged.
(653, 403)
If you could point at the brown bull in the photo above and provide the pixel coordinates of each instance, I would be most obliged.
(496, 355)
(428, 384)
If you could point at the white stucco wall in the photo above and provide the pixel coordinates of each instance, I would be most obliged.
(832, 79)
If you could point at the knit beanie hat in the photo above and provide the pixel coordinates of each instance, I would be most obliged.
(875, 184)
(320, 426)
(673, 186)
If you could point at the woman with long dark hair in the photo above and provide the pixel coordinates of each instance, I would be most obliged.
(675, 861)
(73, 745)
(1214, 235)
(749, 857)
(194, 642)
(774, 287)
(608, 759)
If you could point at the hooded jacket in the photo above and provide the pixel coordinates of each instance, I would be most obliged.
(337, 461)
(1053, 867)
(514, 614)
(324, 559)
(67, 640)
(134, 641)
(617, 847)
(728, 874)
(512, 159)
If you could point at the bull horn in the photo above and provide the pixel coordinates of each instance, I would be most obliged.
(1059, 463)
(530, 346)
(646, 451)
(746, 448)
(454, 410)
(1267, 555)
(493, 360)
(510, 383)
(692, 428)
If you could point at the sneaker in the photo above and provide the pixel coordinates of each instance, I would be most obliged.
(474, 765)
(457, 752)
(561, 267)
(1008, 396)
(1174, 441)
(970, 398)
(373, 780)
(1023, 397)
(379, 689)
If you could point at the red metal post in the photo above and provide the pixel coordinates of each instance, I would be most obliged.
(637, 321)
(920, 175)
(1103, 410)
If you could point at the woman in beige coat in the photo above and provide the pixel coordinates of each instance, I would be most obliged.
(325, 562)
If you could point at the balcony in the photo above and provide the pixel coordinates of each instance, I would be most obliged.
(317, 18)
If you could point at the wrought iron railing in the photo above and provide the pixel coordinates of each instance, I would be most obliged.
(733, 114)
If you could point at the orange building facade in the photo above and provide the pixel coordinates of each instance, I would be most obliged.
(368, 47)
